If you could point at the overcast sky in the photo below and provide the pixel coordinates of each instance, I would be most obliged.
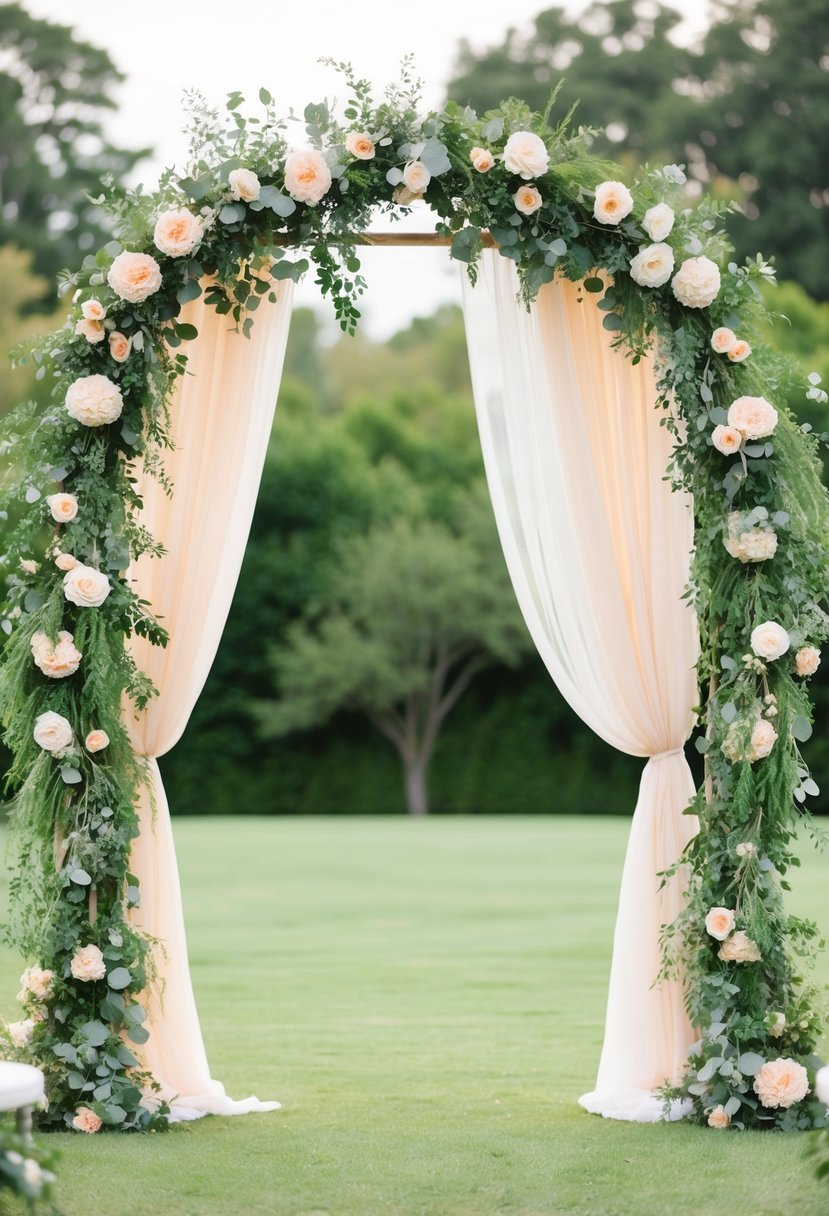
(166, 46)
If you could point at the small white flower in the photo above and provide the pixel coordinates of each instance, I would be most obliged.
(658, 221)
(612, 203)
(526, 154)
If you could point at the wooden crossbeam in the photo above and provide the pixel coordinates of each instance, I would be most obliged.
(414, 239)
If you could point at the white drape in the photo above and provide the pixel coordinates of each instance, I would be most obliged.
(597, 547)
(222, 418)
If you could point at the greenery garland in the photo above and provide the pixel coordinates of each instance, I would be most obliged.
(247, 212)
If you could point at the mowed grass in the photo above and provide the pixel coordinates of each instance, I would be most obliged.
(426, 1000)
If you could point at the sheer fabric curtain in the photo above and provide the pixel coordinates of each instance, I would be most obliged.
(597, 547)
(222, 418)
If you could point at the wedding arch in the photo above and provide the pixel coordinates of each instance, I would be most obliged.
(661, 514)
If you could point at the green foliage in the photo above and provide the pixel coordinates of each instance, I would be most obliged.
(26, 1170)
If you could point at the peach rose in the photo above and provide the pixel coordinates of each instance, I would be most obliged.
(754, 417)
(658, 221)
(781, 1083)
(63, 507)
(93, 331)
(360, 144)
(52, 732)
(807, 661)
(722, 340)
(28, 566)
(739, 948)
(739, 351)
(36, 982)
(86, 1120)
(65, 561)
(482, 159)
(96, 741)
(307, 176)
(56, 659)
(769, 640)
(697, 282)
(178, 232)
(719, 1118)
(134, 276)
(244, 185)
(763, 739)
(416, 177)
(93, 310)
(120, 346)
(94, 400)
(527, 200)
(652, 266)
(526, 154)
(88, 964)
(719, 922)
(86, 587)
(726, 439)
(612, 203)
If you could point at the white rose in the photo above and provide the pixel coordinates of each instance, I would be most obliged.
(178, 232)
(726, 439)
(52, 732)
(652, 266)
(697, 282)
(719, 922)
(94, 400)
(307, 176)
(134, 276)
(769, 640)
(88, 964)
(63, 507)
(416, 177)
(807, 661)
(244, 185)
(753, 417)
(739, 948)
(526, 154)
(658, 221)
(612, 203)
(85, 586)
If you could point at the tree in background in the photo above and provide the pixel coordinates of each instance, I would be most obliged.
(22, 291)
(411, 614)
(747, 108)
(54, 92)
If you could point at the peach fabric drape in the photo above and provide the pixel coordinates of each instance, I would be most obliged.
(597, 546)
(222, 418)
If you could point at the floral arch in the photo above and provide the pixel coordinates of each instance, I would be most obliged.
(249, 212)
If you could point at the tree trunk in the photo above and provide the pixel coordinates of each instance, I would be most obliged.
(417, 793)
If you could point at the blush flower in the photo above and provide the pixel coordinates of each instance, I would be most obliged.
(93, 331)
(178, 232)
(739, 948)
(85, 586)
(697, 282)
(526, 154)
(652, 266)
(88, 964)
(36, 982)
(482, 160)
(807, 661)
(360, 144)
(307, 176)
(740, 351)
(62, 507)
(726, 439)
(722, 340)
(96, 741)
(719, 922)
(781, 1083)
(769, 640)
(65, 561)
(527, 200)
(52, 732)
(119, 346)
(658, 221)
(86, 1120)
(753, 417)
(719, 1118)
(244, 185)
(94, 400)
(93, 310)
(21, 1033)
(416, 177)
(749, 544)
(134, 276)
(822, 1085)
(57, 660)
(612, 203)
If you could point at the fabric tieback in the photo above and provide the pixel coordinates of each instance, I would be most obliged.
(674, 751)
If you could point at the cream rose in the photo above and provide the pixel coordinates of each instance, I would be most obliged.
(63, 507)
(134, 276)
(763, 739)
(652, 266)
(527, 200)
(769, 640)
(749, 544)
(120, 346)
(52, 732)
(416, 177)
(307, 176)
(719, 922)
(726, 439)
(697, 282)
(65, 561)
(719, 1117)
(36, 982)
(612, 203)
(737, 749)
(93, 331)
(86, 587)
(360, 144)
(94, 400)
(722, 340)
(96, 741)
(754, 417)
(822, 1085)
(21, 1033)
(526, 154)
(482, 159)
(86, 1120)
(739, 948)
(658, 221)
(807, 661)
(28, 566)
(93, 310)
(777, 1024)
(781, 1083)
(178, 232)
(88, 964)
(746, 849)
(740, 351)
(244, 185)
(56, 659)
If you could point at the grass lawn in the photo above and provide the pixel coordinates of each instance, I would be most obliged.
(426, 1000)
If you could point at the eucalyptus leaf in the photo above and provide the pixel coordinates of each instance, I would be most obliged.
(119, 978)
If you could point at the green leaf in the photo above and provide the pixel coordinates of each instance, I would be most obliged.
(232, 213)
(265, 97)
(801, 728)
(594, 284)
(749, 1063)
(119, 978)
(95, 1033)
(186, 332)
(435, 158)
(70, 775)
(612, 322)
(80, 877)
(464, 243)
